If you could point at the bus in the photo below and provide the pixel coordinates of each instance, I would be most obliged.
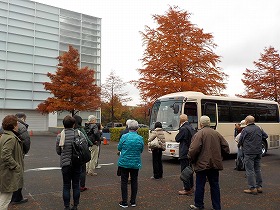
(224, 113)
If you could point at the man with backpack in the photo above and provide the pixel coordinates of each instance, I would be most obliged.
(93, 134)
(184, 137)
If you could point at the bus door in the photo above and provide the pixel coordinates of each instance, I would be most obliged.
(211, 110)
(190, 109)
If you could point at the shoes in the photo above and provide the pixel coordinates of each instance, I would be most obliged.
(82, 189)
(251, 191)
(74, 208)
(186, 192)
(123, 204)
(195, 207)
(67, 208)
(133, 204)
(24, 200)
(259, 190)
(92, 174)
(98, 166)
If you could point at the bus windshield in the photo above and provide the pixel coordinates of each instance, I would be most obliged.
(166, 112)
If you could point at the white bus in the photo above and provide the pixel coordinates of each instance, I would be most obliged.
(224, 112)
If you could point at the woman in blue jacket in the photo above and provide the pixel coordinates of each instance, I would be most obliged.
(131, 146)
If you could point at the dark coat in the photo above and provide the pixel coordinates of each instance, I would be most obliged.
(24, 136)
(184, 137)
(93, 133)
(206, 149)
(251, 139)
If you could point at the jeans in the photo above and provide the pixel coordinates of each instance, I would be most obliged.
(134, 183)
(184, 163)
(213, 179)
(71, 174)
(157, 163)
(253, 170)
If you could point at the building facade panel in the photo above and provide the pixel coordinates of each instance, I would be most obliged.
(32, 35)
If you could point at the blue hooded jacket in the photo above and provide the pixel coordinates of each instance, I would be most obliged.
(131, 146)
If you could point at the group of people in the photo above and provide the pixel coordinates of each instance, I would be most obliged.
(203, 150)
(14, 144)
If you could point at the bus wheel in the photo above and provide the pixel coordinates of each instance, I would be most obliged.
(264, 148)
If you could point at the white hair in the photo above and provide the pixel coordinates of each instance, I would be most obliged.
(127, 122)
(91, 118)
(132, 125)
(204, 120)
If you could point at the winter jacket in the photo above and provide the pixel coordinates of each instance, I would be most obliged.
(65, 151)
(131, 145)
(251, 139)
(93, 133)
(184, 137)
(206, 149)
(24, 135)
(11, 162)
(158, 133)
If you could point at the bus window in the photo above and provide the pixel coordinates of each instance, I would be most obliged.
(210, 110)
(190, 109)
(166, 112)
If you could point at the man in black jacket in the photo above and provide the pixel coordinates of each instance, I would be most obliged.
(184, 137)
(23, 134)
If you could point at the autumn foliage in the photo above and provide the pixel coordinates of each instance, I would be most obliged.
(178, 57)
(263, 82)
(73, 89)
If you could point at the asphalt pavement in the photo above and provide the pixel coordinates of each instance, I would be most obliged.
(43, 183)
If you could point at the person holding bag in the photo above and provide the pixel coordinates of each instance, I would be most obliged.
(70, 172)
(156, 143)
(184, 137)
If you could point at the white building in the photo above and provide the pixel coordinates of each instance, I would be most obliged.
(32, 35)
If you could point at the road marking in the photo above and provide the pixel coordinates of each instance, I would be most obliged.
(58, 168)
(43, 169)
(106, 164)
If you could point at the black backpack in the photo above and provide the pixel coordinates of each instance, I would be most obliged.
(80, 150)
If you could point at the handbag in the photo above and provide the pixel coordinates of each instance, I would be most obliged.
(186, 174)
(154, 144)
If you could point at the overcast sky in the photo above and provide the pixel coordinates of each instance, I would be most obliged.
(241, 29)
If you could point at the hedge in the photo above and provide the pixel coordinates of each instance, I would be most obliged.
(116, 132)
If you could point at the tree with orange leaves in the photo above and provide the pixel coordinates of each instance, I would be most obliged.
(178, 57)
(73, 89)
(264, 81)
